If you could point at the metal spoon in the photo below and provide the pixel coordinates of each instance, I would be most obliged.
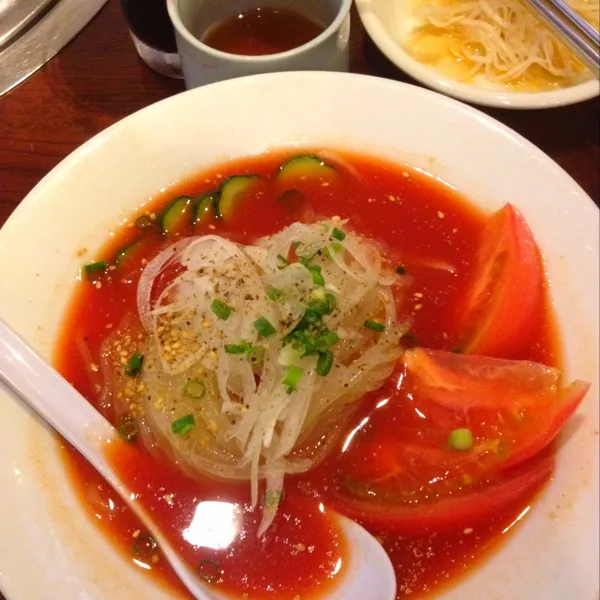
(23, 371)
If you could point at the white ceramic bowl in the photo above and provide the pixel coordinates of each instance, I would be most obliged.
(387, 21)
(48, 547)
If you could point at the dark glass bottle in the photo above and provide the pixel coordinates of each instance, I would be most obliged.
(149, 21)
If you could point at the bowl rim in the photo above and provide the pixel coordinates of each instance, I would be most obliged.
(60, 175)
(431, 78)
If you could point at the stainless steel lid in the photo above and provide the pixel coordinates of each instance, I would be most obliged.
(33, 31)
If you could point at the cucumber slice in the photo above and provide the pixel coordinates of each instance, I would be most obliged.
(305, 167)
(127, 252)
(231, 193)
(206, 208)
(177, 216)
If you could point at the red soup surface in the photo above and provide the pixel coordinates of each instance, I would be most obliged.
(432, 234)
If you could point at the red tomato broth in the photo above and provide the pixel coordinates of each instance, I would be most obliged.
(424, 226)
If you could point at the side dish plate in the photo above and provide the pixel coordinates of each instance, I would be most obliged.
(49, 548)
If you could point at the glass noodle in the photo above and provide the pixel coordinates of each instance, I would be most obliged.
(228, 390)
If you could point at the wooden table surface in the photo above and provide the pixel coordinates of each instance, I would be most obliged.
(98, 79)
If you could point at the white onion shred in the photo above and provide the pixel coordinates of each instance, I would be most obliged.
(249, 424)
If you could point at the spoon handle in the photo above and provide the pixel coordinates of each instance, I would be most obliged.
(29, 376)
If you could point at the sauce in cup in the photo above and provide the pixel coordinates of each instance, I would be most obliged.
(261, 31)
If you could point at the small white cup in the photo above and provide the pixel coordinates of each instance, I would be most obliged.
(202, 64)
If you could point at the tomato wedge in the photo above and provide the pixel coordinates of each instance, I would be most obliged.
(507, 291)
(518, 404)
(399, 467)
(452, 512)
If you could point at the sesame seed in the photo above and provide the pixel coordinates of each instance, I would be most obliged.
(440, 214)
(418, 307)
(136, 533)
(94, 367)
(468, 530)
(98, 285)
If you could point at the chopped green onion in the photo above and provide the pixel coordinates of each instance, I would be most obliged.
(221, 310)
(134, 365)
(461, 440)
(338, 234)
(300, 341)
(311, 317)
(401, 270)
(292, 377)
(264, 327)
(326, 340)
(144, 546)
(324, 363)
(128, 428)
(332, 302)
(194, 388)
(305, 261)
(95, 267)
(144, 222)
(282, 261)
(296, 244)
(317, 278)
(209, 570)
(319, 306)
(375, 326)
(273, 498)
(336, 247)
(274, 294)
(324, 252)
(237, 348)
(183, 426)
(256, 355)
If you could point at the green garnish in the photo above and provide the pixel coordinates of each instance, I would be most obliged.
(338, 234)
(274, 294)
(375, 326)
(256, 355)
(295, 245)
(282, 262)
(461, 440)
(320, 306)
(317, 278)
(273, 497)
(95, 267)
(401, 270)
(134, 365)
(292, 377)
(237, 348)
(143, 546)
(336, 247)
(128, 428)
(324, 363)
(264, 327)
(209, 570)
(326, 340)
(144, 222)
(221, 310)
(183, 426)
(194, 388)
